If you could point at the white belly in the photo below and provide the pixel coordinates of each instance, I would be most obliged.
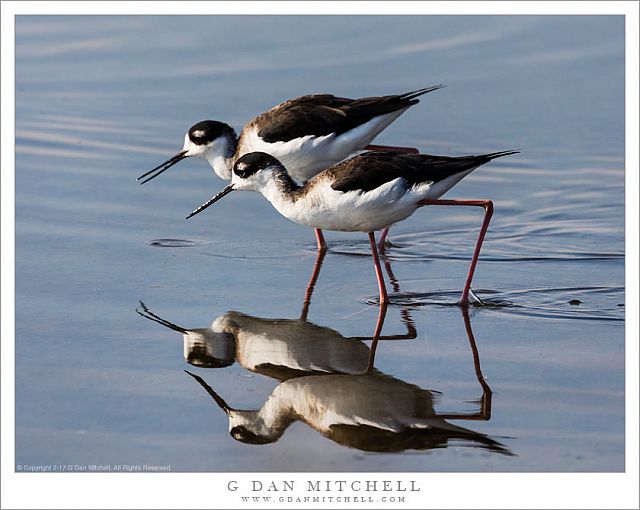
(354, 211)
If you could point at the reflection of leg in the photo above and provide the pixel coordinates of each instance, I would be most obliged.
(384, 298)
(320, 239)
(485, 402)
(485, 409)
(408, 150)
(487, 205)
(312, 283)
(404, 313)
(376, 336)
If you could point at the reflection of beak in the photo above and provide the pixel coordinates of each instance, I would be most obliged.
(219, 400)
(213, 200)
(161, 168)
(148, 314)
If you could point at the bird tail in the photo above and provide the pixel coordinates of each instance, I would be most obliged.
(470, 437)
(495, 155)
(408, 96)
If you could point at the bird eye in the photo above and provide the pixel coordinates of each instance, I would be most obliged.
(242, 434)
(207, 131)
(252, 163)
(242, 170)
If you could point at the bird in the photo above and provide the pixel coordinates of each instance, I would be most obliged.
(371, 412)
(368, 192)
(307, 134)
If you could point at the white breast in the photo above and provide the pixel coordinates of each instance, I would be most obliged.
(305, 157)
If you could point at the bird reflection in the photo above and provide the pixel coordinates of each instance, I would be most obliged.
(203, 347)
(329, 382)
(282, 348)
(278, 348)
(370, 411)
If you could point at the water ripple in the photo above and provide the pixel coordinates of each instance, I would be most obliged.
(441, 250)
(175, 243)
(594, 303)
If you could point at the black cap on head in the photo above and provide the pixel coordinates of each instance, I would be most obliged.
(200, 357)
(244, 435)
(252, 162)
(207, 131)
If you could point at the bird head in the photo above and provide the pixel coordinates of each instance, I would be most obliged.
(246, 426)
(210, 140)
(252, 172)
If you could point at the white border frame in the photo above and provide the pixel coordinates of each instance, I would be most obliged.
(438, 490)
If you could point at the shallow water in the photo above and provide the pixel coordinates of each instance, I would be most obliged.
(99, 100)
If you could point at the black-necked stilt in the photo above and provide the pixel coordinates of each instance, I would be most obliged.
(372, 412)
(307, 134)
(368, 192)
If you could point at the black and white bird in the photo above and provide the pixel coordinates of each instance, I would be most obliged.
(373, 412)
(307, 134)
(368, 192)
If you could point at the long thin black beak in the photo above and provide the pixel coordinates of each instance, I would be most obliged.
(219, 400)
(212, 200)
(161, 168)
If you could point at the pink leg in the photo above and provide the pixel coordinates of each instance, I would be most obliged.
(383, 240)
(384, 298)
(312, 283)
(488, 212)
(408, 150)
(320, 238)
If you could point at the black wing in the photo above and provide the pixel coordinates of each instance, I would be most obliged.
(323, 114)
(371, 170)
(373, 439)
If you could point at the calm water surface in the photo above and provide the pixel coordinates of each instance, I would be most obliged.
(99, 100)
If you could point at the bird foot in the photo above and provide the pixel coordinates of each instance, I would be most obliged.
(474, 298)
(385, 244)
